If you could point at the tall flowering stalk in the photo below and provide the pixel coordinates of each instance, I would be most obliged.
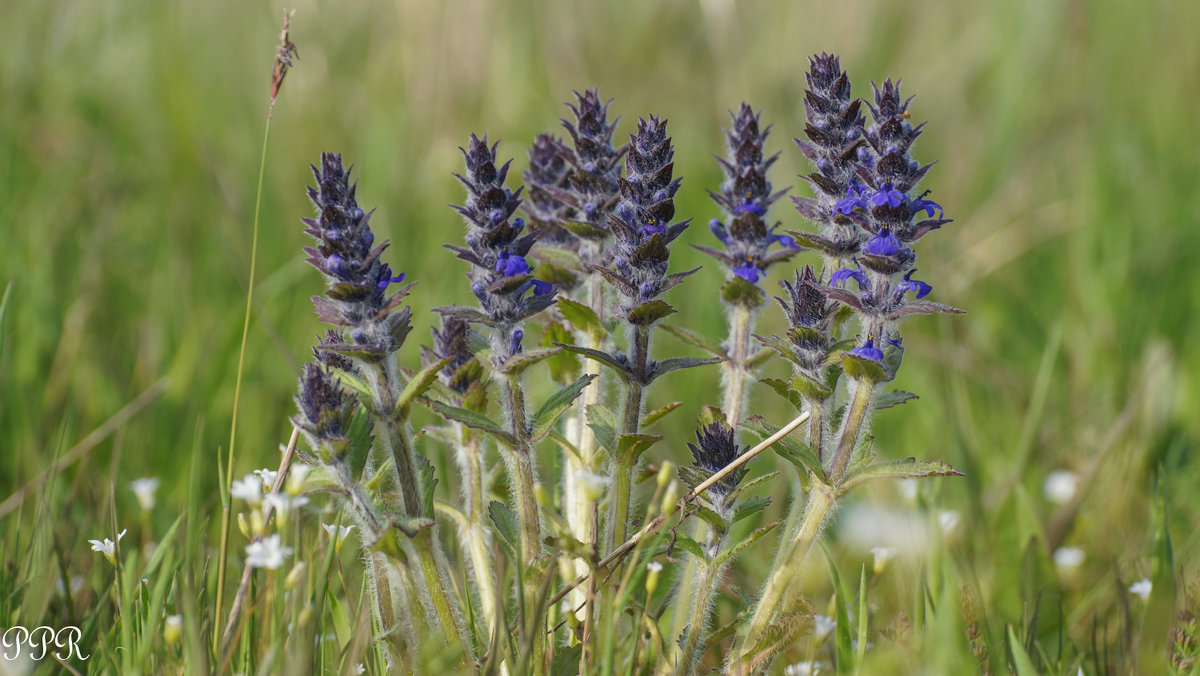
(463, 386)
(362, 353)
(642, 229)
(572, 190)
(867, 211)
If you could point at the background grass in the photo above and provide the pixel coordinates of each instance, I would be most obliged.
(1066, 142)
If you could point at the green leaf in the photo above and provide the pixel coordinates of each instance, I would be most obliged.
(408, 525)
(784, 390)
(648, 313)
(894, 398)
(520, 361)
(585, 230)
(750, 506)
(556, 405)
(861, 367)
(759, 357)
(692, 338)
(738, 291)
(1021, 659)
(630, 447)
(812, 388)
(667, 365)
(428, 482)
(793, 450)
(687, 544)
(750, 484)
(778, 635)
(729, 554)
(600, 356)
(709, 415)
(416, 387)
(861, 652)
(603, 422)
(781, 347)
(845, 657)
(463, 312)
(566, 659)
(710, 517)
(581, 317)
(507, 524)
(355, 384)
(564, 259)
(910, 468)
(564, 444)
(474, 420)
(659, 413)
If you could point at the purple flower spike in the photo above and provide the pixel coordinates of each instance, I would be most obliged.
(883, 244)
(511, 266)
(868, 350)
(908, 285)
(652, 228)
(887, 195)
(748, 271)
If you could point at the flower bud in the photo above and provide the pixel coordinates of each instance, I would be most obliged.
(653, 569)
(173, 629)
(295, 576)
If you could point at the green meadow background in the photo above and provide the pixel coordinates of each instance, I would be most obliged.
(1065, 136)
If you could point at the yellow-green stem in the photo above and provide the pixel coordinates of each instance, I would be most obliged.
(736, 370)
(776, 594)
(701, 603)
(856, 414)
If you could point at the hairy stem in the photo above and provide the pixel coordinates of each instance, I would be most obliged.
(631, 422)
(737, 373)
(522, 471)
(856, 414)
(475, 536)
(776, 594)
(698, 621)
(576, 507)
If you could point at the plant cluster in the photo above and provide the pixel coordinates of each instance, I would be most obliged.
(560, 574)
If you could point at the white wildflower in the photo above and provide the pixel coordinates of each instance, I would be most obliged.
(1068, 558)
(908, 489)
(948, 520)
(144, 489)
(284, 503)
(268, 552)
(360, 668)
(248, 489)
(882, 556)
(1060, 486)
(296, 478)
(268, 478)
(823, 626)
(173, 629)
(1141, 588)
(803, 669)
(107, 547)
(654, 568)
(337, 534)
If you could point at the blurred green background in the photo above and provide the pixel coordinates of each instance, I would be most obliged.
(1064, 132)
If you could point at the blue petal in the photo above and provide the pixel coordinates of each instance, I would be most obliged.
(541, 288)
(868, 351)
(718, 229)
(846, 273)
(748, 272)
(883, 244)
(908, 285)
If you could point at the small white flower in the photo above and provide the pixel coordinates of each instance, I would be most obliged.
(144, 489)
(295, 479)
(882, 556)
(268, 478)
(360, 668)
(1141, 588)
(948, 520)
(594, 486)
(173, 629)
(107, 547)
(337, 534)
(1060, 486)
(803, 669)
(908, 489)
(654, 567)
(284, 503)
(1069, 558)
(823, 626)
(268, 552)
(248, 488)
